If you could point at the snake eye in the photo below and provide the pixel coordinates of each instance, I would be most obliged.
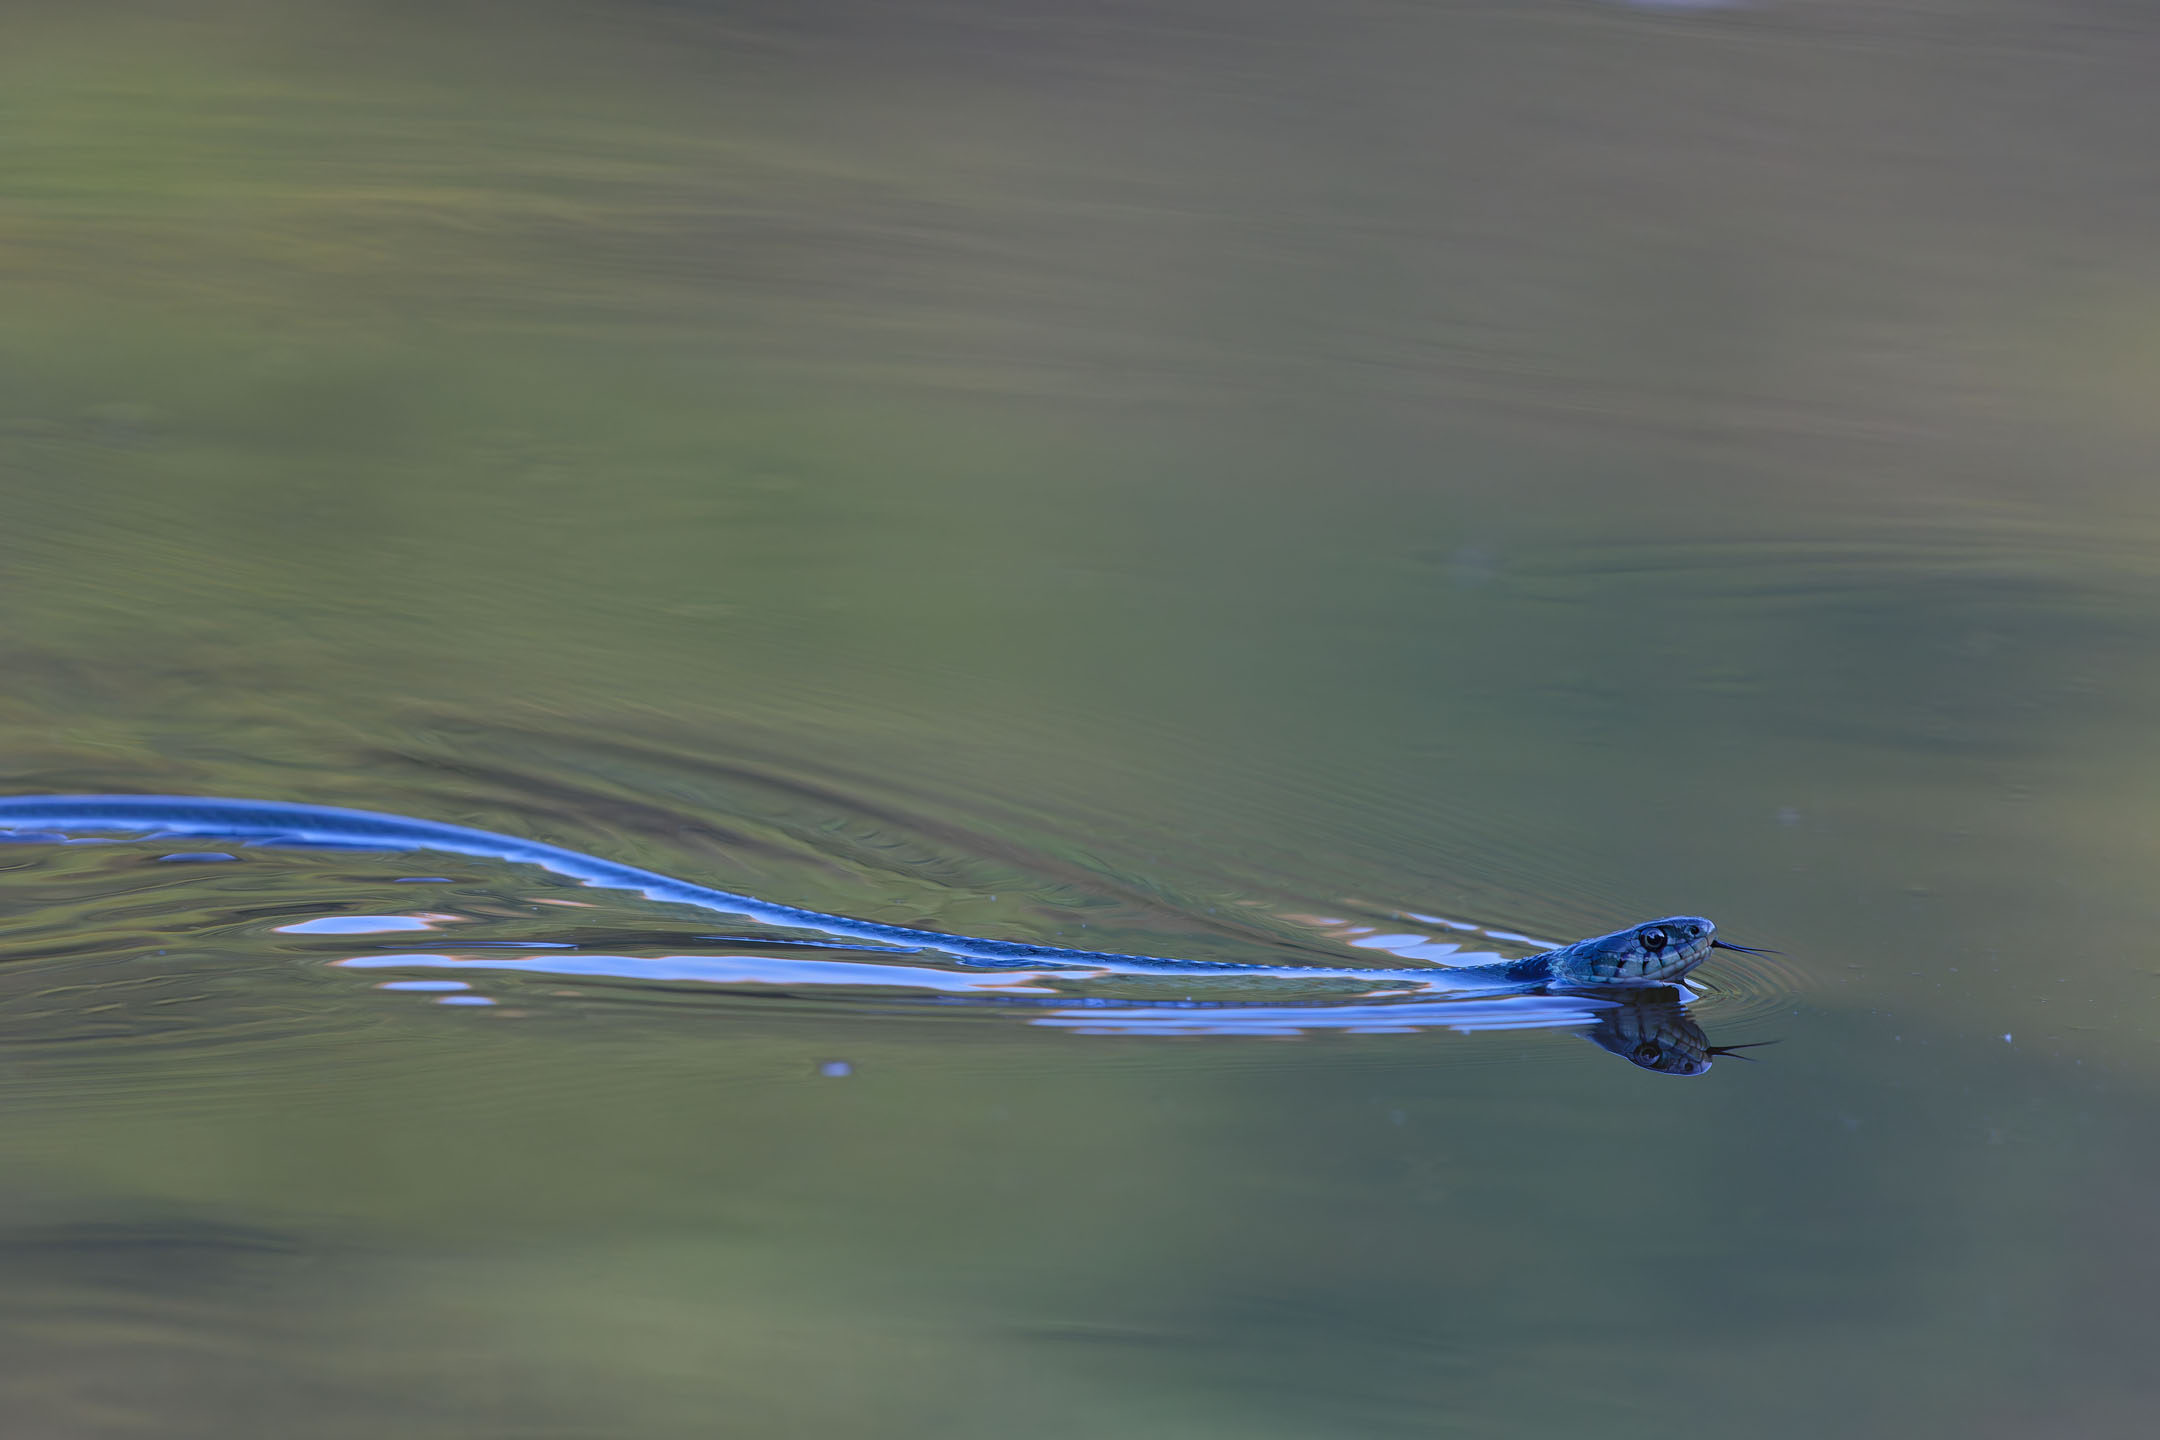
(1652, 939)
(1649, 1052)
(1694, 932)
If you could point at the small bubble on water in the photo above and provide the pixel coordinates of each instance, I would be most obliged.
(835, 1069)
(2006, 1037)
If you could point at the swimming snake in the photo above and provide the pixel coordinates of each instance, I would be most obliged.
(1658, 953)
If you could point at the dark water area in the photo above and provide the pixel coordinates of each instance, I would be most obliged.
(1379, 484)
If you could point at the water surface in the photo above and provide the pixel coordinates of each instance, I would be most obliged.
(1223, 481)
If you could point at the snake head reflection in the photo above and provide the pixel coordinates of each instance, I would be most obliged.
(1651, 1028)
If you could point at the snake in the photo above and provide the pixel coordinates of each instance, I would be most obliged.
(1655, 953)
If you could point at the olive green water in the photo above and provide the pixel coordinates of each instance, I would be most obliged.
(1145, 476)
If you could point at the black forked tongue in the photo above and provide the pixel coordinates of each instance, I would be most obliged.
(1743, 949)
(1732, 1052)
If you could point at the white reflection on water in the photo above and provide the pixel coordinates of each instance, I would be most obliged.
(1650, 1029)
(1464, 1016)
(1416, 1002)
(729, 970)
(365, 924)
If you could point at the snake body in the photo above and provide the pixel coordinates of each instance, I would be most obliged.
(1657, 953)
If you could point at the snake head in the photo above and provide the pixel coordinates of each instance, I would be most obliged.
(1658, 953)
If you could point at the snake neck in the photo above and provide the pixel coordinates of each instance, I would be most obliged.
(1530, 970)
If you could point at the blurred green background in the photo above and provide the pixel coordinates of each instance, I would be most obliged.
(1190, 465)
